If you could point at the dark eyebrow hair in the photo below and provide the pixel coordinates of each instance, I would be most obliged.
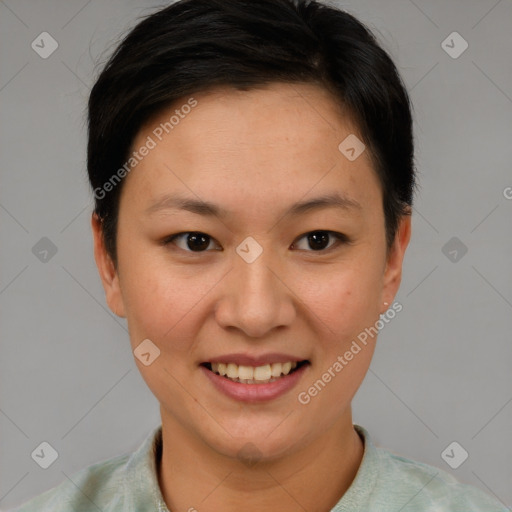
(205, 208)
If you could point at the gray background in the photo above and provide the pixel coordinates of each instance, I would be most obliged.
(441, 372)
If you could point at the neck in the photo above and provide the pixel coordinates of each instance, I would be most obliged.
(194, 476)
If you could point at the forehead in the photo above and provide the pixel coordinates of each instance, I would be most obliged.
(269, 144)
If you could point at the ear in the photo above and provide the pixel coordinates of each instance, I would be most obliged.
(395, 257)
(106, 268)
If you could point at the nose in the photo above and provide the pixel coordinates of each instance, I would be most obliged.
(255, 298)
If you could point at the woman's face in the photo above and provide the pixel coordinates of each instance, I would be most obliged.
(254, 286)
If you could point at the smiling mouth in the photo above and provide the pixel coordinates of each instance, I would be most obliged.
(254, 374)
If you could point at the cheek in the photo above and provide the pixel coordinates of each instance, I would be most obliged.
(151, 297)
(346, 306)
(163, 302)
(344, 298)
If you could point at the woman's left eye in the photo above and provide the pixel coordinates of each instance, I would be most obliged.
(319, 240)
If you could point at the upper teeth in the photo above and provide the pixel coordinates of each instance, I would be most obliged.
(259, 373)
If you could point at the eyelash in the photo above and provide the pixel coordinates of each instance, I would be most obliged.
(340, 239)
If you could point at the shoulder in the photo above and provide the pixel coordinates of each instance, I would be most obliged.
(418, 486)
(125, 482)
(388, 482)
(93, 487)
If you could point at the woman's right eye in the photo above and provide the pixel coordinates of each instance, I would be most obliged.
(190, 241)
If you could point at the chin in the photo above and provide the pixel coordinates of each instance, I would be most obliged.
(255, 444)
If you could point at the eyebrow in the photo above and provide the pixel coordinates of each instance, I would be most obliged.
(207, 209)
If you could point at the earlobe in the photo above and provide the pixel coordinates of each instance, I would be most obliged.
(107, 270)
(395, 258)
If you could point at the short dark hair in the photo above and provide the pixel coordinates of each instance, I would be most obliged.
(193, 46)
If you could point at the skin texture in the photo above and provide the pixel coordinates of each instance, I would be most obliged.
(254, 153)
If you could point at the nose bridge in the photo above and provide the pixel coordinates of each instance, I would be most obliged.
(255, 300)
(257, 279)
(252, 263)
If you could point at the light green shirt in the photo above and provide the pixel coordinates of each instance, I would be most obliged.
(385, 482)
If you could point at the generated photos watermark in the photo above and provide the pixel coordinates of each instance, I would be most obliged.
(304, 397)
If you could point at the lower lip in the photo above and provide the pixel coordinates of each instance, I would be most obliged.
(255, 392)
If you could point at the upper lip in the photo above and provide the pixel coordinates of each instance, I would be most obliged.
(248, 360)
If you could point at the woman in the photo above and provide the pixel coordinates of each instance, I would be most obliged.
(252, 166)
